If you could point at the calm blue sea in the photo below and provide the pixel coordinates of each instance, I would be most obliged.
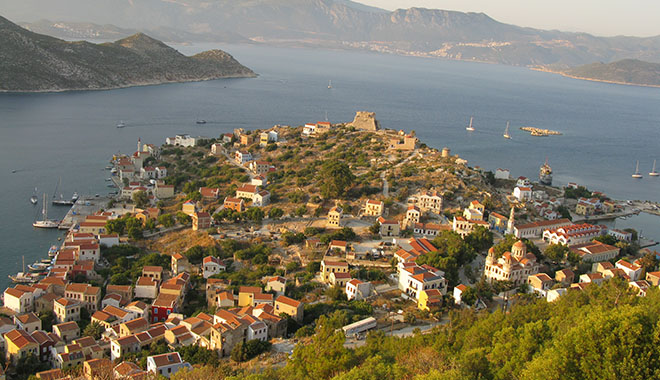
(71, 135)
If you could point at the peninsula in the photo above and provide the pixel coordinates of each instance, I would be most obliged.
(31, 62)
(332, 251)
(627, 71)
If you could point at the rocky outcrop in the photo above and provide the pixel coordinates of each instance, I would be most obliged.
(366, 121)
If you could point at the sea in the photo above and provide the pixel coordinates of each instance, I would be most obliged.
(68, 137)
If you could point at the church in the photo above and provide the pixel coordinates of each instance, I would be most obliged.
(514, 266)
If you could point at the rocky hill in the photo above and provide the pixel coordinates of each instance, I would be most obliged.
(347, 24)
(35, 62)
(627, 71)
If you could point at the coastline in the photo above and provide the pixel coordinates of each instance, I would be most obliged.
(545, 70)
(141, 84)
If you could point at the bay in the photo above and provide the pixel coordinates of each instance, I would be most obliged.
(605, 127)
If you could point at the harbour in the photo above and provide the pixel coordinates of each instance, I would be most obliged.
(430, 98)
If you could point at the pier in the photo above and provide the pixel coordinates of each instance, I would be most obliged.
(84, 206)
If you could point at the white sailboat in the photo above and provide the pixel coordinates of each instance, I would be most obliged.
(637, 174)
(653, 173)
(121, 124)
(45, 222)
(470, 128)
(330, 84)
(506, 131)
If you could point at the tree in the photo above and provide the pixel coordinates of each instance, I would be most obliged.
(556, 252)
(254, 214)
(115, 226)
(166, 220)
(606, 239)
(275, 213)
(246, 351)
(47, 319)
(336, 293)
(375, 228)
(140, 199)
(480, 239)
(183, 218)
(94, 330)
(337, 179)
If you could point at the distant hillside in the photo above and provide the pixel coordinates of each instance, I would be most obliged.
(348, 24)
(35, 62)
(88, 30)
(628, 71)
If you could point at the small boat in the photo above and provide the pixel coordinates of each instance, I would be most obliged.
(637, 174)
(506, 131)
(52, 251)
(34, 199)
(108, 167)
(113, 170)
(47, 261)
(38, 267)
(45, 222)
(201, 121)
(108, 179)
(121, 124)
(75, 197)
(329, 84)
(653, 173)
(470, 128)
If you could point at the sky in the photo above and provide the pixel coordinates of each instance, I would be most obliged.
(599, 17)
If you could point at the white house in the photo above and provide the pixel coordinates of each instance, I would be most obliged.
(261, 198)
(146, 287)
(212, 265)
(18, 300)
(166, 364)
(633, 271)
(242, 156)
(502, 174)
(522, 193)
(108, 240)
(523, 182)
(357, 290)
(458, 293)
(182, 140)
(161, 172)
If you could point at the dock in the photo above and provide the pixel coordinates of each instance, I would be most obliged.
(84, 206)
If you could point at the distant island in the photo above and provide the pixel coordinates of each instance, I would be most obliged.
(31, 62)
(627, 71)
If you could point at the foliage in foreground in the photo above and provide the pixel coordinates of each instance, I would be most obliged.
(603, 332)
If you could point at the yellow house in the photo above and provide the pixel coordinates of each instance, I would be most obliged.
(180, 264)
(246, 295)
(289, 306)
(329, 266)
(476, 205)
(20, 344)
(334, 217)
(373, 208)
(429, 299)
(189, 208)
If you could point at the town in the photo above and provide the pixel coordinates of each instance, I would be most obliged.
(219, 251)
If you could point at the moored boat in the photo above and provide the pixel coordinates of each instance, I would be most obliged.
(38, 267)
(637, 174)
(470, 128)
(45, 222)
(654, 173)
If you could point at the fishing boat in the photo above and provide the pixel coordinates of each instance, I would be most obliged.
(45, 222)
(329, 84)
(23, 277)
(121, 124)
(52, 251)
(38, 267)
(506, 131)
(545, 174)
(470, 128)
(34, 199)
(653, 173)
(637, 174)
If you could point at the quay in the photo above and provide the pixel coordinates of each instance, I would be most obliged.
(84, 206)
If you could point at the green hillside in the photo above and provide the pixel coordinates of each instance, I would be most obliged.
(630, 71)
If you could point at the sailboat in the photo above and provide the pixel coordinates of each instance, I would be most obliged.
(506, 131)
(23, 277)
(470, 127)
(653, 173)
(62, 201)
(33, 199)
(121, 124)
(330, 84)
(45, 222)
(637, 174)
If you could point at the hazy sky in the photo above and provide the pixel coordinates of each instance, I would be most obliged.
(600, 17)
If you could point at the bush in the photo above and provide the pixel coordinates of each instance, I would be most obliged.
(245, 351)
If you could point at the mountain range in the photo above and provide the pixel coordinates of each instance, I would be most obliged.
(35, 62)
(342, 24)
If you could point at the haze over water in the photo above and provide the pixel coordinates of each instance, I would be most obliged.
(605, 127)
